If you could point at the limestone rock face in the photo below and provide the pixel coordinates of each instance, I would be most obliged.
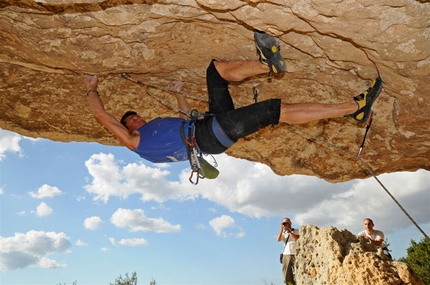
(337, 257)
(333, 50)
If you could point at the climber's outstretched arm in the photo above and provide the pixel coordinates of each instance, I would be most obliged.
(109, 121)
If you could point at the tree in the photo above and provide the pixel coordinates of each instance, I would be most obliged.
(127, 280)
(74, 283)
(418, 259)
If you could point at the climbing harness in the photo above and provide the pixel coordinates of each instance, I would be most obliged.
(199, 165)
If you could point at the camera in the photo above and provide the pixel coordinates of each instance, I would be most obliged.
(285, 223)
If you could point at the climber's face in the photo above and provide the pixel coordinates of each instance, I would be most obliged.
(133, 122)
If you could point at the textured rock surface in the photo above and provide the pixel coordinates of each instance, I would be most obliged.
(333, 50)
(337, 257)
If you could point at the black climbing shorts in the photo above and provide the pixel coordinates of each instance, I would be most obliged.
(235, 123)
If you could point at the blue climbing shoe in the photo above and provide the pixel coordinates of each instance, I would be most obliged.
(365, 101)
(268, 51)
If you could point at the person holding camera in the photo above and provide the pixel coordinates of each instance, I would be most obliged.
(288, 236)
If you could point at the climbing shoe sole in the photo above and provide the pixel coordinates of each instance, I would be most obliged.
(269, 53)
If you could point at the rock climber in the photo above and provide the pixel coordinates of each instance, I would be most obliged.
(162, 139)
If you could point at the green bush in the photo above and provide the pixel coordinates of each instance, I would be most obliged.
(126, 280)
(418, 259)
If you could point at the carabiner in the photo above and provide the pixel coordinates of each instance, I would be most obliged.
(191, 178)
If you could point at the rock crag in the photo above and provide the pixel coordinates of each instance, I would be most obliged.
(337, 257)
(334, 49)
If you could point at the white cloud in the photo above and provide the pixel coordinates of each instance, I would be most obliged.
(1, 191)
(43, 210)
(201, 227)
(104, 249)
(9, 142)
(92, 223)
(133, 242)
(129, 242)
(80, 198)
(252, 189)
(49, 263)
(80, 243)
(30, 250)
(137, 221)
(45, 191)
(366, 198)
(110, 180)
(220, 224)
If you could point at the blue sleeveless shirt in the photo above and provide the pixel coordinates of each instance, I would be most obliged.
(160, 140)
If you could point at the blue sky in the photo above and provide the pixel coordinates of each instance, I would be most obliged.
(88, 212)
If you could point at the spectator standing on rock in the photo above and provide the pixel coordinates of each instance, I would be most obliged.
(288, 236)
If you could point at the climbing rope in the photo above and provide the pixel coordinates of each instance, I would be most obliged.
(365, 165)
(194, 114)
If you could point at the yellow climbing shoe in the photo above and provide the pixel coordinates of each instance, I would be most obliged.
(269, 52)
(365, 101)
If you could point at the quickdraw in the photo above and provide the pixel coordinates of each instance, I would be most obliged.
(193, 153)
(369, 123)
(256, 93)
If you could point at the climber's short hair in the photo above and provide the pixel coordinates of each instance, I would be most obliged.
(128, 113)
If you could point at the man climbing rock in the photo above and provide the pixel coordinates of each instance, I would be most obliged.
(163, 139)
